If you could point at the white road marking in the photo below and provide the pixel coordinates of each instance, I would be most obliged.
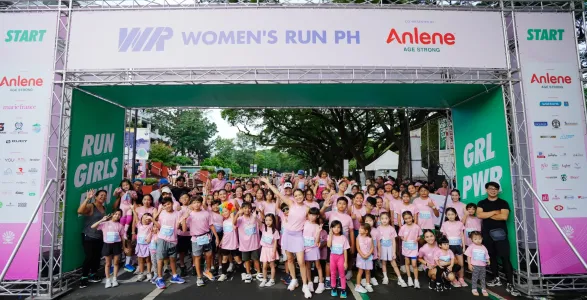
(351, 287)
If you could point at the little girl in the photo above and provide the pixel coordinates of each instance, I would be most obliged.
(309, 201)
(269, 249)
(364, 258)
(153, 250)
(409, 234)
(478, 259)
(376, 236)
(426, 258)
(269, 206)
(113, 234)
(339, 246)
(322, 181)
(144, 235)
(248, 235)
(311, 235)
(445, 263)
(387, 248)
(184, 238)
(125, 196)
(453, 228)
(229, 242)
(399, 212)
(471, 222)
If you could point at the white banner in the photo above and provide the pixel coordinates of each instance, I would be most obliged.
(268, 38)
(143, 143)
(446, 154)
(416, 153)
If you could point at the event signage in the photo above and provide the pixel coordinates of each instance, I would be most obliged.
(555, 113)
(260, 38)
(26, 80)
(446, 155)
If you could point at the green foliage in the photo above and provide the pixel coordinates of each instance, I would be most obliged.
(150, 181)
(182, 161)
(161, 153)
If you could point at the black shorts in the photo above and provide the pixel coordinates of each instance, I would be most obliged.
(184, 244)
(233, 253)
(250, 255)
(112, 249)
(214, 248)
(456, 249)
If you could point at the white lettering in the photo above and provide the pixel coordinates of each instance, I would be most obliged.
(479, 180)
(489, 154)
(98, 166)
(468, 155)
(495, 174)
(80, 176)
(479, 147)
(109, 143)
(87, 148)
(467, 185)
(114, 166)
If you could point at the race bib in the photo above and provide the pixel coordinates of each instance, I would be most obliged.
(321, 183)
(112, 237)
(267, 239)
(218, 228)
(336, 249)
(153, 245)
(385, 243)
(227, 228)
(469, 230)
(309, 241)
(455, 241)
(142, 239)
(444, 258)
(410, 245)
(425, 215)
(479, 254)
(250, 230)
(301, 185)
(203, 240)
(167, 230)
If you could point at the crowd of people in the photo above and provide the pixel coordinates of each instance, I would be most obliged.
(322, 230)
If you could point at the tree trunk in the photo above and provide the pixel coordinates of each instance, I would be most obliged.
(404, 147)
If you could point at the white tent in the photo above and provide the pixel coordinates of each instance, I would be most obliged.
(388, 161)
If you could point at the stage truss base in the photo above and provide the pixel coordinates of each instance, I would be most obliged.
(528, 279)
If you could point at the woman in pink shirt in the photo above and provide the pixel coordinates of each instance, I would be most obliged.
(217, 183)
(409, 233)
(426, 257)
(342, 187)
(293, 239)
(454, 229)
(310, 201)
(455, 196)
(444, 190)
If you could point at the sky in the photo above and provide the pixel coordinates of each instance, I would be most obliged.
(224, 129)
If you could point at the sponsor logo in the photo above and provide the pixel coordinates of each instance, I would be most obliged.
(571, 123)
(21, 182)
(559, 207)
(569, 197)
(550, 103)
(555, 166)
(20, 81)
(540, 124)
(551, 79)
(146, 39)
(18, 107)
(540, 155)
(5, 193)
(574, 177)
(577, 166)
(2, 128)
(33, 170)
(545, 197)
(34, 159)
(19, 171)
(556, 123)
(563, 177)
(16, 141)
(19, 193)
(582, 197)
(420, 38)
(567, 136)
(578, 155)
(550, 177)
(568, 231)
(25, 36)
(9, 159)
(556, 197)
(36, 128)
(566, 166)
(22, 204)
(571, 208)
(548, 136)
(9, 204)
(32, 194)
(8, 237)
(545, 34)
(543, 166)
(552, 155)
(563, 154)
(8, 171)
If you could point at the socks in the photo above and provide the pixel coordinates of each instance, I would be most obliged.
(128, 260)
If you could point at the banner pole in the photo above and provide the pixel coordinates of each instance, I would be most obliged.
(134, 146)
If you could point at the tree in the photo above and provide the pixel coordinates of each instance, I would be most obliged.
(182, 161)
(161, 153)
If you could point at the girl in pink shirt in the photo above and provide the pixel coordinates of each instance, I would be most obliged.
(236, 197)
(364, 258)
(269, 238)
(426, 257)
(371, 220)
(339, 246)
(387, 248)
(454, 229)
(358, 211)
(248, 235)
(445, 264)
(478, 258)
(229, 242)
(321, 182)
(310, 201)
(426, 211)
(472, 223)
(144, 235)
(409, 233)
(113, 234)
(270, 206)
(312, 248)
(460, 207)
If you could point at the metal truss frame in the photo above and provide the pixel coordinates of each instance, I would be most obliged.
(52, 281)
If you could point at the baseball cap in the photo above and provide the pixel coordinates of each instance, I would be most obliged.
(163, 181)
(287, 185)
(166, 190)
(301, 172)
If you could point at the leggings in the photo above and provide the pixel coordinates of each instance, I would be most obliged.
(337, 267)
(93, 253)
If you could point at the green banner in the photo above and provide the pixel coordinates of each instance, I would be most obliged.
(482, 153)
(96, 148)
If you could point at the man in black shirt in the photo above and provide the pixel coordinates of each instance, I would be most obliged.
(494, 212)
(179, 188)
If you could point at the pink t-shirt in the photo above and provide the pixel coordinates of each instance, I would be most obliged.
(473, 224)
(112, 232)
(217, 220)
(312, 204)
(364, 243)
(323, 240)
(229, 238)
(169, 222)
(267, 238)
(459, 207)
(426, 217)
(217, 184)
(478, 254)
(144, 233)
(359, 213)
(339, 244)
(334, 200)
(200, 222)
(427, 252)
(179, 231)
(400, 209)
(347, 222)
(444, 256)
(376, 236)
(141, 210)
(454, 232)
(409, 235)
(248, 233)
(268, 207)
(387, 235)
(296, 218)
(311, 235)
(176, 206)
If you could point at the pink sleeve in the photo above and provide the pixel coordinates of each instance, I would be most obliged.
(122, 232)
(393, 233)
(239, 221)
(468, 251)
(419, 231)
(327, 214)
(211, 219)
(346, 243)
(275, 234)
(101, 226)
(436, 252)
(401, 231)
(420, 252)
(351, 225)
(443, 228)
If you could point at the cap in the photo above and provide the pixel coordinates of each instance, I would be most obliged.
(287, 185)
(301, 172)
(166, 190)
(389, 183)
(418, 184)
(163, 181)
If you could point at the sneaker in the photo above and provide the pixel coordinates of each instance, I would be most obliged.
(320, 288)
(114, 282)
(141, 277)
(342, 295)
(374, 281)
(209, 275)
(439, 287)
(369, 288)
(327, 285)
(263, 282)
(456, 283)
(83, 283)
(269, 283)
(512, 290)
(311, 286)
(410, 282)
(286, 279)
(401, 283)
(108, 283)
(316, 279)
(416, 284)
(222, 277)
(402, 269)
(183, 271)
(130, 268)
(293, 284)
(243, 276)
(360, 289)
(199, 282)
(494, 282)
(463, 283)
(230, 268)
(349, 275)
(385, 280)
(485, 293)
(364, 282)
(431, 285)
(160, 283)
(334, 292)
(259, 276)
(306, 291)
(154, 280)
(94, 278)
(177, 279)
(149, 277)
(248, 278)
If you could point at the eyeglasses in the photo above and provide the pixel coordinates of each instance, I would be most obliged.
(492, 189)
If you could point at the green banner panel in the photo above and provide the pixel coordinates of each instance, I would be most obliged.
(482, 153)
(96, 148)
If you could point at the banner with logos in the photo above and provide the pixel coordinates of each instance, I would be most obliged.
(446, 154)
(26, 82)
(261, 38)
(416, 153)
(143, 143)
(555, 118)
(482, 153)
(96, 148)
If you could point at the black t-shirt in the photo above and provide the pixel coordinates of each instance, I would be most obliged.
(178, 191)
(488, 206)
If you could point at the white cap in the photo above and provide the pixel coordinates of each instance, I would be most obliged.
(287, 185)
(166, 190)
